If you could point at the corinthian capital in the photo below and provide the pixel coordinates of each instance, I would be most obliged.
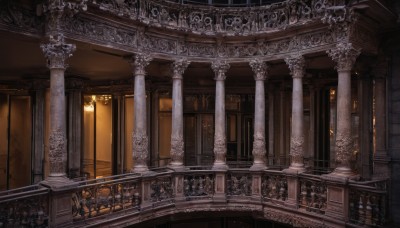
(139, 63)
(179, 67)
(344, 55)
(57, 51)
(57, 9)
(296, 65)
(220, 67)
(259, 68)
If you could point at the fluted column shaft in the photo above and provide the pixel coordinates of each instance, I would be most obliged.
(259, 151)
(220, 68)
(56, 52)
(296, 66)
(140, 139)
(177, 143)
(345, 56)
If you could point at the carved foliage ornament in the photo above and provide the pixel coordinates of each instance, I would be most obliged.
(259, 150)
(57, 151)
(177, 145)
(179, 68)
(259, 68)
(140, 144)
(296, 65)
(57, 51)
(344, 148)
(296, 149)
(220, 148)
(140, 61)
(220, 67)
(344, 55)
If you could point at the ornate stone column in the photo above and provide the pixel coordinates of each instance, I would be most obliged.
(345, 56)
(381, 157)
(56, 52)
(179, 67)
(139, 135)
(259, 151)
(296, 66)
(220, 67)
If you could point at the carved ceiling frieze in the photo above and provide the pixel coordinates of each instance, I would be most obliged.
(19, 19)
(217, 20)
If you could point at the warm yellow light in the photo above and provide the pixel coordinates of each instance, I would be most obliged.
(88, 108)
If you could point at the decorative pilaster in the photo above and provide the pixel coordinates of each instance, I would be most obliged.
(259, 151)
(220, 67)
(56, 53)
(139, 136)
(345, 56)
(296, 65)
(177, 145)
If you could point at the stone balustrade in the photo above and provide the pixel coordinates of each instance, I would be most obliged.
(129, 198)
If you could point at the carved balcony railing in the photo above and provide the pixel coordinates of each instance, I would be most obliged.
(217, 20)
(368, 203)
(25, 207)
(301, 200)
(198, 184)
(313, 193)
(274, 187)
(106, 195)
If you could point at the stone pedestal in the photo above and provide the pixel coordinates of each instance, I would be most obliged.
(293, 187)
(220, 187)
(337, 202)
(256, 185)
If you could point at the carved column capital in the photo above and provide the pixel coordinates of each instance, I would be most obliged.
(139, 62)
(57, 9)
(220, 67)
(296, 65)
(260, 69)
(57, 51)
(344, 55)
(179, 67)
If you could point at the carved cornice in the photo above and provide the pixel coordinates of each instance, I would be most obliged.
(57, 51)
(17, 18)
(179, 67)
(220, 67)
(296, 65)
(344, 55)
(260, 69)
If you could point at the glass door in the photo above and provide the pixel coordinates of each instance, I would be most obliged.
(98, 136)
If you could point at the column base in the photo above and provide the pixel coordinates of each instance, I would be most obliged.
(344, 172)
(140, 169)
(58, 182)
(258, 167)
(295, 169)
(220, 166)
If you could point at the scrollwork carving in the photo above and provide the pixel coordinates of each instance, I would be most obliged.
(344, 55)
(179, 67)
(57, 152)
(259, 68)
(57, 51)
(220, 67)
(140, 144)
(139, 63)
(296, 65)
(57, 9)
